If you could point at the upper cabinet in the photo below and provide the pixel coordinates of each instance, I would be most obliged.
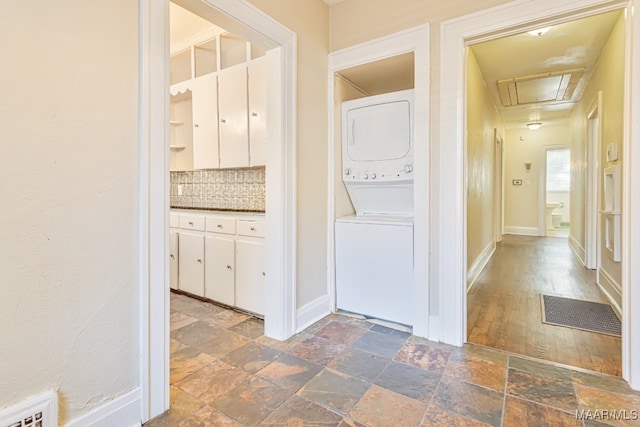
(218, 104)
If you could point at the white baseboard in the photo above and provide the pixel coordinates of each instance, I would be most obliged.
(611, 289)
(522, 231)
(577, 249)
(479, 263)
(122, 411)
(311, 312)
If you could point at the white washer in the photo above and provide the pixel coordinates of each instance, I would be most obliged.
(374, 266)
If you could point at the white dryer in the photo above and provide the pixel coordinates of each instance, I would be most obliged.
(374, 247)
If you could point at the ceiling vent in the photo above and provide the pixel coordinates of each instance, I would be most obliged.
(556, 86)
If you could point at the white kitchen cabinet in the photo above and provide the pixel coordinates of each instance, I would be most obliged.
(258, 111)
(191, 263)
(233, 123)
(250, 275)
(173, 259)
(205, 122)
(219, 282)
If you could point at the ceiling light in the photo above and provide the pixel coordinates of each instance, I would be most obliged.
(539, 31)
(534, 126)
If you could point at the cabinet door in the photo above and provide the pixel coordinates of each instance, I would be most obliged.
(257, 111)
(219, 270)
(250, 292)
(173, 259)
(232, 101)
(205, 122)
(191, 263)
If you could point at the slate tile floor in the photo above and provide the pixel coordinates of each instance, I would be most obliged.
(346, 372)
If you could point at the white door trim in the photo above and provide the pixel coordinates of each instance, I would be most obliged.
(414, 40)
(488, 24)
(498, 186)
(592, 156)
(280, 219)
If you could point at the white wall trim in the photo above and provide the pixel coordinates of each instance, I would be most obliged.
(456, 34)
(611, 289)
(280, 218)
(479, 264)
(577, 248)
(592, 185)
(521, 231)
(122, 411)
(415, 40)
(311, 312)
(631, 203)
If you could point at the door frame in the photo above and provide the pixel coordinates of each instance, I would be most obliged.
(498, 181)
(245, 20)
(592, 187)
(508, 19)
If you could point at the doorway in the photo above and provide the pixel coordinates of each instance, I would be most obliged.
(280, 223)
(496, 22)
(556, 191)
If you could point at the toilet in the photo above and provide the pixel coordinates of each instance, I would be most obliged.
(553, 219)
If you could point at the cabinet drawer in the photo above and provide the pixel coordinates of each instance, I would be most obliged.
(192, 222)
(221, 225)
(174, 220)
(251, 228)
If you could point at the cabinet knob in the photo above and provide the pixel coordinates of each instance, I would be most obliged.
(199, 260)
(219, 226)
(263, 273)
(171, 256)
(252, 229)
(228, 267)
(195, 125)
(190, 222)
(254, 114)
(223, 121)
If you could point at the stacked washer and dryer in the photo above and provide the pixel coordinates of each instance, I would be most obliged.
(374, 247)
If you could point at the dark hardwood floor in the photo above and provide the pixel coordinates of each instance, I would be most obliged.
(504, 309)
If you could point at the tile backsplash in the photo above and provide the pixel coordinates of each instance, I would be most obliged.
(230, 189)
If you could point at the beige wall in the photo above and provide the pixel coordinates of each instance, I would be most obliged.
(522, 145)
(309, 19)
(68, 184)
(482, 120)
(608, 78)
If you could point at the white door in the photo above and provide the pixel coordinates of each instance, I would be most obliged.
(205, 122)
(257, 111)
(173, 259)
(191, 264)
(234, 126)
(250, 292)
(219, 282)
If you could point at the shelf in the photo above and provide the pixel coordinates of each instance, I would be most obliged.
(177, 147)
(175, 123)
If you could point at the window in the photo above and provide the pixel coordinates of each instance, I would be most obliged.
(558, 170)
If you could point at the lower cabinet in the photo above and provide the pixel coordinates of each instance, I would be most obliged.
(191, 263)
(250, 292)
(219, 257)
(219, 284)
(173, 259)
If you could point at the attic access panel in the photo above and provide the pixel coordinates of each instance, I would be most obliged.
(556, 86)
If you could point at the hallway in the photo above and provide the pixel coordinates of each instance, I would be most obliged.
(504, 310)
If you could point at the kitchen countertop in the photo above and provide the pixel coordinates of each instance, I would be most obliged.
(217, 210)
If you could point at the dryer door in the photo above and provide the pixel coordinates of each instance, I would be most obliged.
(379, 132)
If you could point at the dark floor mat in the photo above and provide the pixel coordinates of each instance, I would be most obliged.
(585, 315)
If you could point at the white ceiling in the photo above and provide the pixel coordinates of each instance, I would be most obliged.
(565, 47)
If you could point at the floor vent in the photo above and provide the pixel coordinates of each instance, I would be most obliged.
(37, 411)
